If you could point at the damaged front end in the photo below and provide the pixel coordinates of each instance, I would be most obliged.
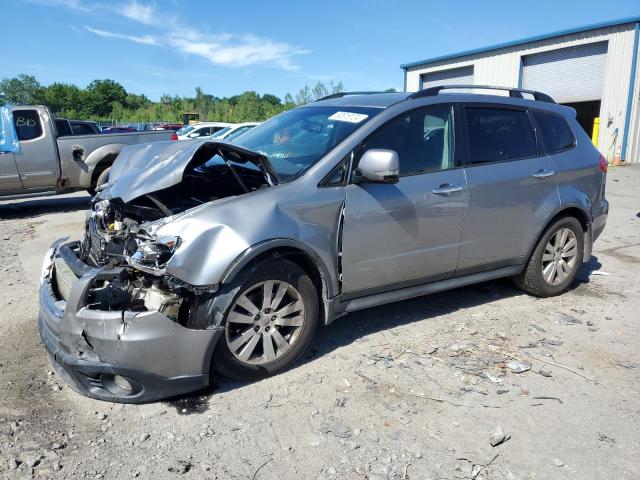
(119, 335)
(118, 324)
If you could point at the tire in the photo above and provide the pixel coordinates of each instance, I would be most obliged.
(263, 360)
(545, 257)
(103, 177)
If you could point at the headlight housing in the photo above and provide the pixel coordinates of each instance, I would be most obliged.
(153, 255)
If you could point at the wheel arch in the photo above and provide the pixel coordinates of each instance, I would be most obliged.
(578, 213)
(294, 251)
(101, 156)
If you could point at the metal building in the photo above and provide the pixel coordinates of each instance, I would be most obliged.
(592, 69)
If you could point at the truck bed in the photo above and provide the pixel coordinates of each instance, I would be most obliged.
(77, 173)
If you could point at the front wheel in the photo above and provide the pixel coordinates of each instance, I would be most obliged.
(555, 261)
(270, 322)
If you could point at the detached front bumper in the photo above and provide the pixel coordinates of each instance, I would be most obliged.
(120, 356)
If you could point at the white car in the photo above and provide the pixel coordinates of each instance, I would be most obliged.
(202, 129)
(233, 131)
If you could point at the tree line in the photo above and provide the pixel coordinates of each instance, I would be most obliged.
(107, 100)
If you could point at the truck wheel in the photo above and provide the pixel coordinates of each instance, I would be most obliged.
(269, 323)
(103, 177)
(555, 261)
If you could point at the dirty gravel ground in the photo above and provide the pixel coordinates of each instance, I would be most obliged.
(409, 390)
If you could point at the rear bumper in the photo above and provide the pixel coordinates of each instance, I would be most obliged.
(600, 214)
(157, 357)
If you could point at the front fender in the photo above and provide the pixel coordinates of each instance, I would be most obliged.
(253, 252)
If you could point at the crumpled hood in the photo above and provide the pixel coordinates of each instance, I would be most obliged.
(149, 167)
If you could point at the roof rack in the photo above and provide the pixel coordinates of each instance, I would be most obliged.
(344, 94)
(513, 92)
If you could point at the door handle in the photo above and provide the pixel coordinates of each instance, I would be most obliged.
(544, 173)
(446, 188)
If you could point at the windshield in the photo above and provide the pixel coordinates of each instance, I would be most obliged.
(295, 140)
(221, 132)
(185, 130)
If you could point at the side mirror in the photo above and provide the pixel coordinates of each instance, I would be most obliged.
(378, 166)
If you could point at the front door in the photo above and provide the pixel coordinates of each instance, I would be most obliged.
(512, 188)
(37, 160)
(396, 235)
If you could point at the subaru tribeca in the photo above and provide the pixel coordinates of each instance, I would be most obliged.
(205, 255)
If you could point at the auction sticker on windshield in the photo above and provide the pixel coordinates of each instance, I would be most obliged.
(348, 117)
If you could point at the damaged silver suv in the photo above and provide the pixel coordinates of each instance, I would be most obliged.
(203, 255)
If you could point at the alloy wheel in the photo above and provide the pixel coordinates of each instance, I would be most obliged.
(560, 256)
(264, 322)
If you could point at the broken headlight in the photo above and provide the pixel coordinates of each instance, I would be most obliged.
(154, 255)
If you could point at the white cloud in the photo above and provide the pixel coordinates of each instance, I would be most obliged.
(70, 4)
(144, 39)
(237, 50)
(225, 49)
(137, 12)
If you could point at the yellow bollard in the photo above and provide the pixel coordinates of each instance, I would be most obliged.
(596, 131)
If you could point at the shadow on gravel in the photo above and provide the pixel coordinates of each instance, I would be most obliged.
(354, 326)
(43, 205)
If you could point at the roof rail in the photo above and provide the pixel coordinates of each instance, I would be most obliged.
(513, 92)
(344, 94)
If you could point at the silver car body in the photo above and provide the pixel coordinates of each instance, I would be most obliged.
(366, 243)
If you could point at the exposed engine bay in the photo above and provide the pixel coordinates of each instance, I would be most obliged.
(121, 235)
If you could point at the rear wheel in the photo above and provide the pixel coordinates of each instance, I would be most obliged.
(102, 178)
(555, 261)
(270, 322)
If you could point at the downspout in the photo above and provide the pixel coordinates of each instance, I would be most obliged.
(632, 84)
(520, 68)
(404, 88)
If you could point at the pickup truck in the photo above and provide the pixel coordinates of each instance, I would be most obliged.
(40, 160)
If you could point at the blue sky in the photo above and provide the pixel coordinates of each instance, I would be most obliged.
(172, 46)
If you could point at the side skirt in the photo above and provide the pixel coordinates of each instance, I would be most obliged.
(341, 307)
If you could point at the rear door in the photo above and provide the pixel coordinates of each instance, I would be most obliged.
(37, 160)
(9, 178)
(395, 235)
(512, 187)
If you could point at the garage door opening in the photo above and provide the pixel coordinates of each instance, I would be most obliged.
(586, 113)
(573, 76)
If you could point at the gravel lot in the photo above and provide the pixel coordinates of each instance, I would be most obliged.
(418, 389)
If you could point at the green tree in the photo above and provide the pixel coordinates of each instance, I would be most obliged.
(100, 95)
(107, 100)
(21, 89)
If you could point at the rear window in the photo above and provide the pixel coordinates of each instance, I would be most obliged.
(499, 135)
(556, 133)
(27, 123)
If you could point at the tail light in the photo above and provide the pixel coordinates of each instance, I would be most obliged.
(174, 136)
(602, 162)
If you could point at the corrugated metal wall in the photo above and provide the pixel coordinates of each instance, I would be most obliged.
(504, 67)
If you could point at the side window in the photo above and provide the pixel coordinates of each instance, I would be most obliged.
(27, 123)
(63, 128)
(556, 133)
(338, 176)
(498, 135)
(423, 139)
